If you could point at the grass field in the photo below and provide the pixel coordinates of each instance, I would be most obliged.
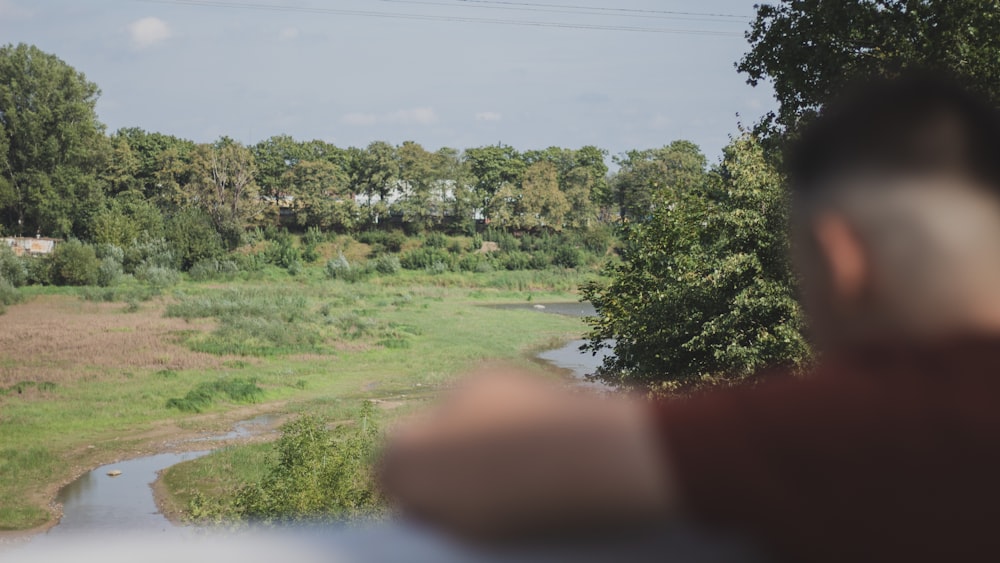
(85, 382)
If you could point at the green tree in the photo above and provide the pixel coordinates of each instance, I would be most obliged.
(808, 49)
(374, 173)
(159, 163)
(704, 292)
(492, 169)
(541, 202)
(223, 186)
(322, 197)
(645, 176)
(53, 145)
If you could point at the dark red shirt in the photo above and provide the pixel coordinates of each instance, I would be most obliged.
(891, 454)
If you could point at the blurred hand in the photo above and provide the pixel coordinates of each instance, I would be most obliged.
(510, 456)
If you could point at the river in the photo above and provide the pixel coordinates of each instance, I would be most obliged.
(99, 503)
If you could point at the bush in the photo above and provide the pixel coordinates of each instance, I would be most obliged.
(313, 237)
(394, 241)
(211, 268)
(109, 273)
(39, 269)
(202, 396)
(515, 261)
(387, 264)
(193, 237)
(149, 253)
(470, 263)
(158, 277)
(337, 267)
(74, 263)
(9, 295)
(319, 473)
(568, 257)
(12, 268)
(424, 258)
(436, 240)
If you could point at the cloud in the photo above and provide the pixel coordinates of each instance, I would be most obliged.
(148, 31)
(289, 33)
(488, 116)
(415, 116)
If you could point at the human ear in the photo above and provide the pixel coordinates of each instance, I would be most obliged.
(844, 256)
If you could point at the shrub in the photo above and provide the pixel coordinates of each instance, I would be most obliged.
(319, 473)
(39, 269)
(74, 263)
(540, 260)
(204, 394)
(424, 258)
(394, 241)
(148, 253)
(9, 294)
(470, 262)
(387, 264)
(515, 261)
(109, 272)
(193, 237)
(337, 268)
(313, 237)
(439, 267)
(158, 277)
(436, 240)
(12, 268)
(568, 257)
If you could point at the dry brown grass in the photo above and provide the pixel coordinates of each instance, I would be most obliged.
(61, 339)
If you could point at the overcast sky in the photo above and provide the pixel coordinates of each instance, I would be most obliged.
(623, 74)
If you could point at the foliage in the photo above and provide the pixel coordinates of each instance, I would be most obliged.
(808, 49)
(387, 264)
(319, 474)
(704, 290)
(204, 394)
(74, 263)
(51, 144)
(12, 268)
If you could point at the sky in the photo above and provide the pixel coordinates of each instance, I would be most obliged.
(618, 74)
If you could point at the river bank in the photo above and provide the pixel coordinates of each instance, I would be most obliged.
(438, 350)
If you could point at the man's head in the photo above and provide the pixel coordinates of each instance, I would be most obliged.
(896, 213)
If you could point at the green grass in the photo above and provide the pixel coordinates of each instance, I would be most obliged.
(339, 344)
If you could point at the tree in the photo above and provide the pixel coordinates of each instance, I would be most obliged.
(704, 292)
(322, 197)
(53, 145)
(374, 173)
(420, 175)
(541, 204)
(159, 163)
(223, 186)
(645, 176)
(808, 49)
(492, 168)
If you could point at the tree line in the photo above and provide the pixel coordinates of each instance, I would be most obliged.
(62, 175)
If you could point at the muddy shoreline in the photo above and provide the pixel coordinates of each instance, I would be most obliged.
(166, 437)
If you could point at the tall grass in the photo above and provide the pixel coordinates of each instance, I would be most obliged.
(238, 390)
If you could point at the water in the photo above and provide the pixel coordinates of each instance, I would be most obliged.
(97, 503)
(584, 309)
(581, 364)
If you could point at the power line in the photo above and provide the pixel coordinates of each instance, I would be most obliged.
(605, 9)
(428, 17)
(581, 10)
